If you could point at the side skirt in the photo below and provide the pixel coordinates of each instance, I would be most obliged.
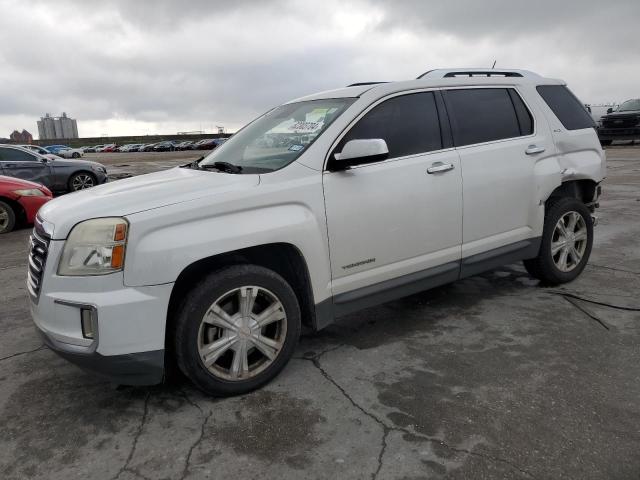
(500, 256)
(342, 304)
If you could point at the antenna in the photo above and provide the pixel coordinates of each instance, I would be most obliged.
(494, 64)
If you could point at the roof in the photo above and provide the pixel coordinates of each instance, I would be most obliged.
(440, 78)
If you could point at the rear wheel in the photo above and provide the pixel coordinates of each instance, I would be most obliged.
(75, 155)
(81, 181)
(237, 329)
(7, 218)
(566, 244)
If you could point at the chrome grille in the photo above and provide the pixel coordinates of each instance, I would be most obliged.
(38, 249)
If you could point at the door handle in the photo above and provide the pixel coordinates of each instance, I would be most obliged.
(533, 149)
(438, 167)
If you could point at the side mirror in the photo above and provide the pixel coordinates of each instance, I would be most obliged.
(357, 152)
(609, 110)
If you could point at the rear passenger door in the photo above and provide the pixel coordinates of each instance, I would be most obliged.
(391, 222)
(499, 143)
(22, 164)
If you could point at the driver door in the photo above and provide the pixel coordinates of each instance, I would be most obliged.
(25, 165)
(395, 225)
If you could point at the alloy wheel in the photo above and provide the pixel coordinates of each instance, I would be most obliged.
(4, 219)
(569, 241)
(82, 181)
(242, 333)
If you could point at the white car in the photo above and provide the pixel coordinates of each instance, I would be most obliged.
(70, 152)
(362, 195)
(41, 151)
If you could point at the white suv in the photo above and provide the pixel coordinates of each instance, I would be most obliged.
(324, 205)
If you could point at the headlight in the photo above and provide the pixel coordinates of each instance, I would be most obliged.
(32, 192)
(99, 169)
(95, 247)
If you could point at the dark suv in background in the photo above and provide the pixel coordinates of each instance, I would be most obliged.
(622, 123)
(58, 175)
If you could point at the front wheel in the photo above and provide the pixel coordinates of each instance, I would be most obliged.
(81, 181)
(75, 155)
(566, 244)
(7, 218)
(236, 330)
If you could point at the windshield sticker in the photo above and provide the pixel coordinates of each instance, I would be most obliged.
(300, 127)
(296, 148)
(316, 115)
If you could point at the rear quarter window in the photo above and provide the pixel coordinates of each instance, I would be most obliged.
(486, 114)
(564, 104)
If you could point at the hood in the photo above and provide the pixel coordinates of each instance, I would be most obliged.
(137, 194)
(61, 162)
(18, 183)
(626, 113)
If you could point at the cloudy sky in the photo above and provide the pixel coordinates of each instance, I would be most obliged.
(142, 67)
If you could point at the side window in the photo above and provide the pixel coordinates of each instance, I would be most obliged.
(525, 120)
(566, 107)
(483, 115)
(14, 155)
(408, 123)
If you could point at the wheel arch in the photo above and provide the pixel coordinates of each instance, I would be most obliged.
(283, 258)
(18, 210)
(585, 190)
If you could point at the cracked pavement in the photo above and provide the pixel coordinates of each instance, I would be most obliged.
(491, 377)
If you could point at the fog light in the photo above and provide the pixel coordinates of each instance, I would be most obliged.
(86, 321)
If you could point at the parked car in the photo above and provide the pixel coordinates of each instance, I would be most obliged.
(147, 148)
(130, 147)
(377, 192)
(70, 152)
(41, 151)
(20, 201)
(207, 144)
(58, 175)
(93, 149)
(622, 123)
(109, 148)
(54, 148)
(186, 145)
(168, 146)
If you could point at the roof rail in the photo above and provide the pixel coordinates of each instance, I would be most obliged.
(361, 84)
(476, 72)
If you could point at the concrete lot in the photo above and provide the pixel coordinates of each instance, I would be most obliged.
(491, 377)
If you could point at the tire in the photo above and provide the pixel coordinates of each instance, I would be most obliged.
(606, 143)
(75, 155)
(7, 218)
(81, 181)
(226, 374)
(575, 249)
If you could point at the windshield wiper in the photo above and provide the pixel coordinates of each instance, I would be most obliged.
(194, 165)
(223, 167)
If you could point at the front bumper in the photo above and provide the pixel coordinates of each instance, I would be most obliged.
(101, 177)
(619, 133)
(144, 368)
(127, 323)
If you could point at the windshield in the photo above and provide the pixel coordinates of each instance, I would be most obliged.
(629, 105)
(278, 137)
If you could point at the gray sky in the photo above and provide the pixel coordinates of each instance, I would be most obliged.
(142, 67)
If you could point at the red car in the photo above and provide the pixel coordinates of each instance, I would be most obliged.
(20, 200)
